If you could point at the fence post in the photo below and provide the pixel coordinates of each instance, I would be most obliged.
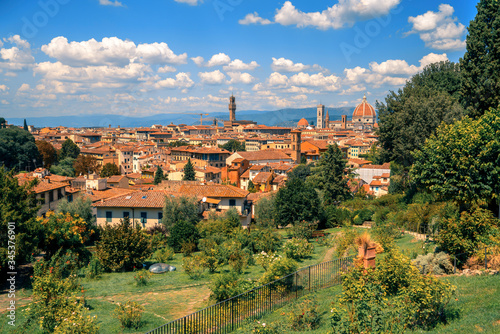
(232, 314)
(309, 278)
(185, 325)
(296, 286)
(485, 258)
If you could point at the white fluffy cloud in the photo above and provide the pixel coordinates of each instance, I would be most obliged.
(238, 77)
(254, 18)
(24, 88)
(212, 78)
(115, 3)
(110, 51)
(3, 88)
(166, 69)
(277, 79)
(322, 82)
(198, 60)
(218, 60)
(238, 65)
(286, 65)
(439, 30)
(182, 80)
(18, 57)
(343, 14)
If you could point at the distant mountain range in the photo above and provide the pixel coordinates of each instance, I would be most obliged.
(282, 117)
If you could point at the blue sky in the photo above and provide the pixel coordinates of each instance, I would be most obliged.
(135, 58)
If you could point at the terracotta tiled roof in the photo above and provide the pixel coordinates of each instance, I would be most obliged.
(320, 144)
(43, 185)
(255, 197)
(134, 175)
(359, 161)
(386, 175)
(246, 174)
(375, 183)
(115, 178)
(97, 195)
(387, 165)
(280, 179)
(262, 177)
(215, 190)
(264, 155)
(138, 199)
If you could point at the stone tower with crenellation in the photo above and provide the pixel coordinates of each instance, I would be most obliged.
(232, 108)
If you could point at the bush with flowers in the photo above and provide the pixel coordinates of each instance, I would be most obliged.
(266, 259)
(267, 328)
(142, 277)
(304, 315)
(278, 269)
(78, 322)
(129, 314)
(56, 297)
(298, 248)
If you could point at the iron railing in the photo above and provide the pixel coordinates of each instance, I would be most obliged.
(229, 314)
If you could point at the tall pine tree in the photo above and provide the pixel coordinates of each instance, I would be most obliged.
(158, 175)
(25, 126)
(330, 176)
(480, 66)
(189, 174)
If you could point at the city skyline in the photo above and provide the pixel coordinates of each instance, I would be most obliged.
(60, 57)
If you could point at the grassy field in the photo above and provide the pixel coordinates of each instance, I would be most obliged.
(167, 297)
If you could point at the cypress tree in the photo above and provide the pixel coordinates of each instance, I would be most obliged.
(158, 176)
(480, 65)
(25, 125)
(189, 174)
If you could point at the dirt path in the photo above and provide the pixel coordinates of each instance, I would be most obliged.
(328, 255)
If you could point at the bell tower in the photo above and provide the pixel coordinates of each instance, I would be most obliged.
(296, 143)
(232, 108)
(321, 117)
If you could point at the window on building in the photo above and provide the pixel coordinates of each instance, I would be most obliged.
(59, 194)
(160, 216)
(51, 197)
(232, 202)
(70, 198)
(126, 214)
(144, 218)
(109, 216)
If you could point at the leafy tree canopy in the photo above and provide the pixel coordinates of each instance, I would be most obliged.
(18, 148)
(234, 146)
(302, 171)
(296, 202)
(462, 161)
(64, 167)
(69, 150)
(85, 164)
(480, 66)
(158, 175)
(410, 116)
(110, 169)
(48, 152)
(180, 208)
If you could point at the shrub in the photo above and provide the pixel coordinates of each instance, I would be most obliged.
(304, 315)
(54, 297)
(345, 241)
(94, 268)
(267, 328)
(163, 255)
(182, 232)
(279, 268)
(360, 216)
(122, 246)
(227, 285)
(395, 298)
(194, 266)
(384, 233)
(265, 240)
(129, 314)
(266, 259)
(302, 230)
(78, 323)
(142, 277)
(337, 216)
(432, 263)
(298, 248)
(236, 257)
(188, 248)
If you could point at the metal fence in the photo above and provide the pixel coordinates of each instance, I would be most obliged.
(229, 314)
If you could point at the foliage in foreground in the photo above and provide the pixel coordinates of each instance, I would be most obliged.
(391, 298)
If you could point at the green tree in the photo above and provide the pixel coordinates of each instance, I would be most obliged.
(48, 152)
(251, 187)
(189, 174)
(25, 126)
(234, 146)
(18, 204)
(69, 150)
(17, 148)
(462, 161)
(296, 202)
(182, 232)
(181, 208)
(480, 66)
(110, 169)
(303, 160)
(410, 116)
(301, 171)
(81, 207)
(265, 211)
(85, 164)
(330, 176)
(64, 167)
(122, 247)
(3, 123)
(158, 175)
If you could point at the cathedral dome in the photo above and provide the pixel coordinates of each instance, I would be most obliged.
(303, 123)
(364, 109)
